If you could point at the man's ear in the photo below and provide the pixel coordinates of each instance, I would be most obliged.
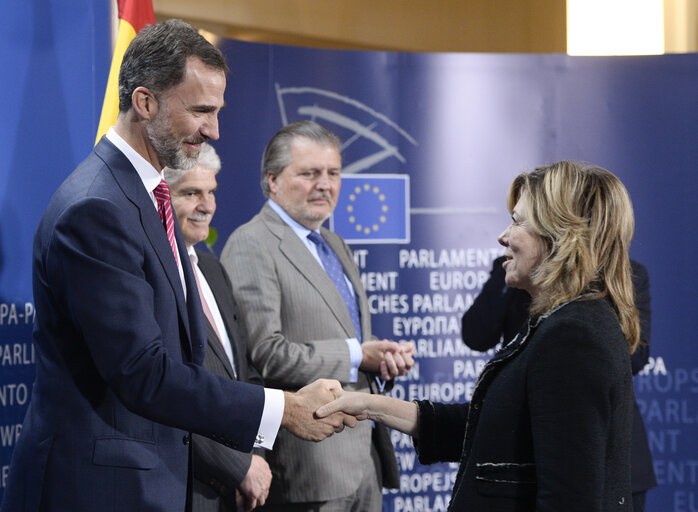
(271, 179)
(144, 103)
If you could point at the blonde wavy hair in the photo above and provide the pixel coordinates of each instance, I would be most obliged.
(585, 218)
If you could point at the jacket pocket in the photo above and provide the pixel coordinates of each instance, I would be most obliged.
(507, 479)
(125, 453)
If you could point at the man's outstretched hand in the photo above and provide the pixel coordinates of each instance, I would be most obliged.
(299, 411)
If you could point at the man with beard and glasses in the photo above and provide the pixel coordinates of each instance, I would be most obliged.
(306, 314)
(119, 332)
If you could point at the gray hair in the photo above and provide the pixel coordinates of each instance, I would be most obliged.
(208, 158)
(277, 154)
(157, 59)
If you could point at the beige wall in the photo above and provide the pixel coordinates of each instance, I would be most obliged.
(501, 26)
(681, 26)
(520, 26)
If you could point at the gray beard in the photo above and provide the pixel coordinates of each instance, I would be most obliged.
(170, 152)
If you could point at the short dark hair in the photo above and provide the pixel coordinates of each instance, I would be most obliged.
(277, 154)
(157, 58)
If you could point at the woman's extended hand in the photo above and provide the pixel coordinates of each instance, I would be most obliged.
(392, 412)
(349, 402)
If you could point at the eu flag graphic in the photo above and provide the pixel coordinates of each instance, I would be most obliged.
(373, 209)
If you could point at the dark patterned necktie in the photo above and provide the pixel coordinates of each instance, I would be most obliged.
(333, 267)
(162, 196)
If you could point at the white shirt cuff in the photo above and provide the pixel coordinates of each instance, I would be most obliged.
(355, 356)
(271, 418)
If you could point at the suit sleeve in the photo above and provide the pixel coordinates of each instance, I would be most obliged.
(218, 466)
(441, 431)
(250, 261)
(101, 278)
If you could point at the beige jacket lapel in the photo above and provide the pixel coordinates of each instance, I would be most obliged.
(308, 267)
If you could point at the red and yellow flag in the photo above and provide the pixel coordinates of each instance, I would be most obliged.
(133, 16)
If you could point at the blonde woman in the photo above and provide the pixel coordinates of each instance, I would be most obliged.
(549, 424)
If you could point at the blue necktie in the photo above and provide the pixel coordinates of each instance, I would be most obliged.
(334, 269)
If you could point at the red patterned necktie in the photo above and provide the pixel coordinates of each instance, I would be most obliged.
(162, 195)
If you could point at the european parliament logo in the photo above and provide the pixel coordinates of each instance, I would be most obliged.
(373, 209)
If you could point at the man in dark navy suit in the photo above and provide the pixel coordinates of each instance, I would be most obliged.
(119, 331)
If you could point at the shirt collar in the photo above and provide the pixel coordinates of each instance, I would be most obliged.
(298, 228)
(192, 255)
(149, 176)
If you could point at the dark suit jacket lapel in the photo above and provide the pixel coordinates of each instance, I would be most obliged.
(217, 283)
(132, 187)
(217, 349)
(299, 256)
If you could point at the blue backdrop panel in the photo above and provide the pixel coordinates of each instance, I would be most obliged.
(55, 57)
(457, 128)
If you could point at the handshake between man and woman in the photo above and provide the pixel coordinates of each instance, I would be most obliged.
(323, 408)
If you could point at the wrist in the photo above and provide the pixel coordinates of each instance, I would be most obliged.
(290, 401)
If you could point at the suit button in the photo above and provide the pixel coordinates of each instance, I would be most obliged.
(185, 439)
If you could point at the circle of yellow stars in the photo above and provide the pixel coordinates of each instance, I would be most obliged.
(368, 229)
